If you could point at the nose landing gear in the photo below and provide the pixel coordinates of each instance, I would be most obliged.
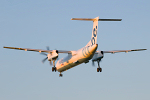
(60, 75)
(54, 68)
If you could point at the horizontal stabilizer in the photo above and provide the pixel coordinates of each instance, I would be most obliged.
(84, 19)
(110, 20)
(116, 51)
(93, 19)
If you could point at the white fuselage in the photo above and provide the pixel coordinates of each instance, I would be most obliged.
(80, 56)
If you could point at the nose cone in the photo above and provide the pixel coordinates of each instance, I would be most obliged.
(93, 48)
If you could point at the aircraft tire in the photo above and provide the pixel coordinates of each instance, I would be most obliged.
(100, 69)
(55, 69)
(97, 69)
(60, 75)
(52, 69)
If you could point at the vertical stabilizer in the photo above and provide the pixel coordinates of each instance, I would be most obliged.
(94, 32)
(95, 27)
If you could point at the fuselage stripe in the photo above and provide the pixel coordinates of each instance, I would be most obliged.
(83, 52)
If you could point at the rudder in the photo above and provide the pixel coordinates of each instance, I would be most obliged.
(95, 27)
(94, 32)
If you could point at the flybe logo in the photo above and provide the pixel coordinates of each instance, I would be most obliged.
(85, 51)
(94, 36)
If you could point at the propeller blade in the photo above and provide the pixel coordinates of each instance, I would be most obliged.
(51, 63)
(93, 63)
(47, 48)
(43, 53)
(44, 59)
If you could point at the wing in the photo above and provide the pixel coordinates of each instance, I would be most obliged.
(37, 50)
(116, 51)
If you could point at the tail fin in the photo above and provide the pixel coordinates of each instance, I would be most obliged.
(94, 32)
(95, 27)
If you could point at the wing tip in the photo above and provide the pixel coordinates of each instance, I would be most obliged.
(139, 49)
(5, 47)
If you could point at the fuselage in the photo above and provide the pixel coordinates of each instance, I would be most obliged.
(73, 59)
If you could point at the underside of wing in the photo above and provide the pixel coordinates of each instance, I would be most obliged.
(38, 50)
(117, 51)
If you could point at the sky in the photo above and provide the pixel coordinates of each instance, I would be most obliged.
(40, 23)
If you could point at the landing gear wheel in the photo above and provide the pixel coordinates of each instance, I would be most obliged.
(52, 69)
(55, 69)
(100, 69)
(97, 69)
(60, 75)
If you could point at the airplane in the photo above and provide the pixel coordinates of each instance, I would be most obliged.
(83, 55)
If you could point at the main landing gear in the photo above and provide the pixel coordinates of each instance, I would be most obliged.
(60, 75)
(54, 68)
(99, 69)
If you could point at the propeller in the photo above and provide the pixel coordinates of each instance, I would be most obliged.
(93, 64)
(44, 59)
(51, 63)
(47, 48)
(45, 55)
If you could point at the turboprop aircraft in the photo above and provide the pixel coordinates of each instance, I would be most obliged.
(80, 56)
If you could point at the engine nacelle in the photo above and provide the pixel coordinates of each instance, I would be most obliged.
(53, 55)
(98, 56)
